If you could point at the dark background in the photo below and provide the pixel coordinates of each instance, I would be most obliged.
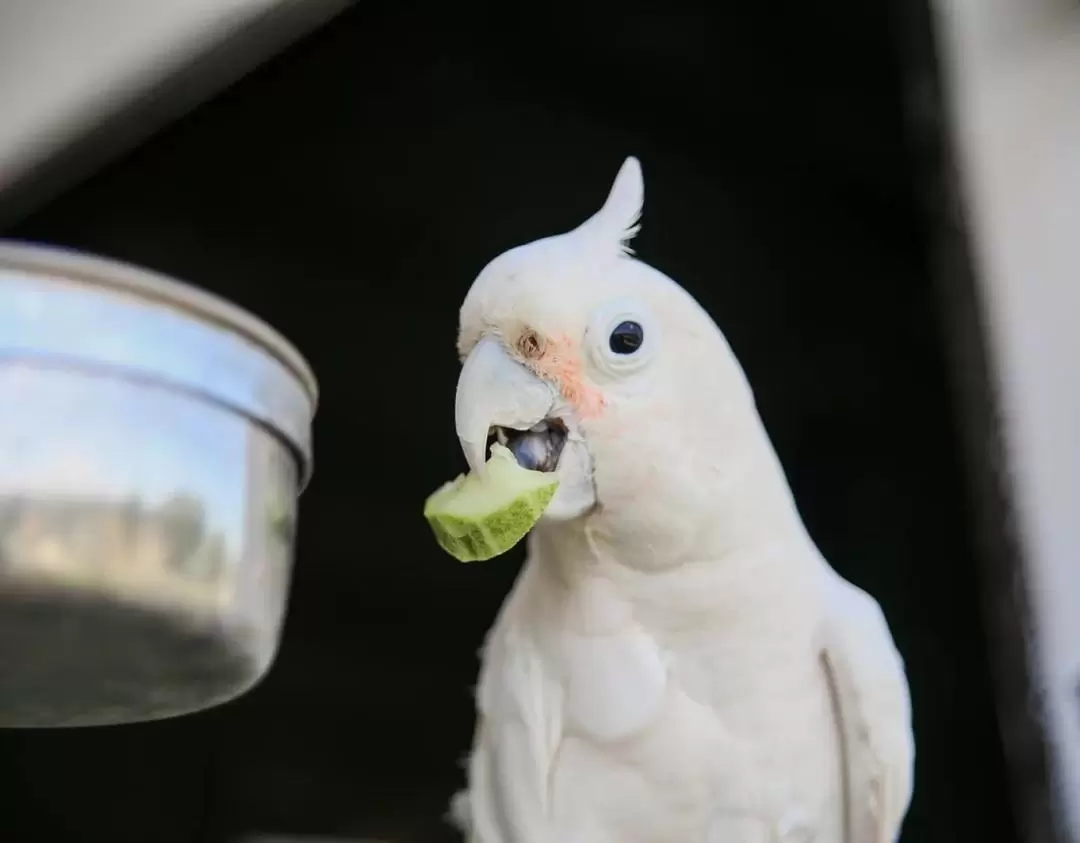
(349, 191)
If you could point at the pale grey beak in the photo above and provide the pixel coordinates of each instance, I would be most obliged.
(495, 389)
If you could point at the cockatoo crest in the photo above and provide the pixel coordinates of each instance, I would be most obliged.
(618, 221)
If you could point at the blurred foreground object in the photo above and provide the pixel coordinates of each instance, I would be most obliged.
(1013, 70)
(153, 443)
(82, 81)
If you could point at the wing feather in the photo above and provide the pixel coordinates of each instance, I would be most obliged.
(874, 706)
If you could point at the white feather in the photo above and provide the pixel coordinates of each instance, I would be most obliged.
(874, 707)
(618, 221)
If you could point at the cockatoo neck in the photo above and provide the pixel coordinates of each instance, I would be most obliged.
(713, 510)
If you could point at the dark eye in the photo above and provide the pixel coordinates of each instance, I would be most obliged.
(626, 338)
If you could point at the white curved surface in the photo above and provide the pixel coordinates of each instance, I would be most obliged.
(68, 65)
(1015, 79)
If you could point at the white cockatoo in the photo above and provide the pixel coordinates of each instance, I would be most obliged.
(676, 661)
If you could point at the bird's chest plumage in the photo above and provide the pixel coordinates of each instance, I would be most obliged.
(670, 730)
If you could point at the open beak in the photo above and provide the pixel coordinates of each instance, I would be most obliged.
(495, 390)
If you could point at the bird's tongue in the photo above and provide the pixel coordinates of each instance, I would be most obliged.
(532, 450)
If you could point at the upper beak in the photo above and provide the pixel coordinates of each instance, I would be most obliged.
(495, 389)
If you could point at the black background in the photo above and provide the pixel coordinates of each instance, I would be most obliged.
(350, 190)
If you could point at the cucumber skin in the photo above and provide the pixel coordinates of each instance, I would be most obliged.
(477, 540)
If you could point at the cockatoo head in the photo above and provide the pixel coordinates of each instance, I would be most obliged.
(592, 364)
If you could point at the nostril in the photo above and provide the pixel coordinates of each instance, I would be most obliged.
(530, 345)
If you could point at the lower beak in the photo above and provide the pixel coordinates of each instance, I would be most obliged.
(494, 389)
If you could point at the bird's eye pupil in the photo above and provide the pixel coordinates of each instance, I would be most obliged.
(626, 338)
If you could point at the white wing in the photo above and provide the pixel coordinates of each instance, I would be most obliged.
(874, 706)
(518, 730)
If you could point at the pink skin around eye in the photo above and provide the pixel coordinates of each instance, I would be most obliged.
(561, 363)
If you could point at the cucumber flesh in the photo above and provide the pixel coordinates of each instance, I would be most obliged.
(476, 518)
